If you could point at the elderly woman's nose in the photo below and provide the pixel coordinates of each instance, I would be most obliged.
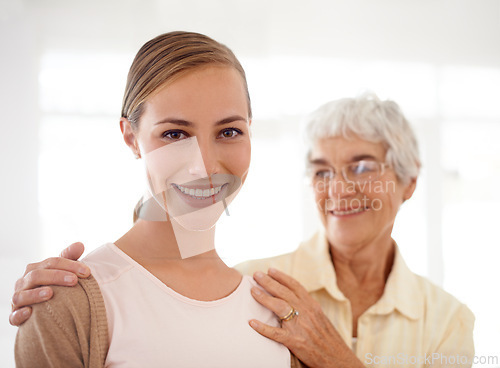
(339, 187)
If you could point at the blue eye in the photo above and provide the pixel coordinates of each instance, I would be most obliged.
(230, 133)
(174, 135)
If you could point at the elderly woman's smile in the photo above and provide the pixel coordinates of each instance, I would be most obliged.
(355, 213)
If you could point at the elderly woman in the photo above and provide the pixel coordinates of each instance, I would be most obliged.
(363, 161)
(346, 297)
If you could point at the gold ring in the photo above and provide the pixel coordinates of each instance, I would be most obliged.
(290, 315)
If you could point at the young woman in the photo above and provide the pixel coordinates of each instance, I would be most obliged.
(160, 296)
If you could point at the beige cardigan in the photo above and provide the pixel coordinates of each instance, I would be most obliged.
(70, 330)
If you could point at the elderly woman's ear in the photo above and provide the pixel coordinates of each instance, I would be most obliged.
(410, 189)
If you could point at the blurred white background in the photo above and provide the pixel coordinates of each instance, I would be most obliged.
(67, 176)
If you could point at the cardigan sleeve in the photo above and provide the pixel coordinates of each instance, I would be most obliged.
(69, 330)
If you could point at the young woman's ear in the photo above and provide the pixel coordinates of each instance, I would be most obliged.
(129, 136)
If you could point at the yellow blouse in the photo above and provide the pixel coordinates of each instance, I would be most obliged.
(414, 324)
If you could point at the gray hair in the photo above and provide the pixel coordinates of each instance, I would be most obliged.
(371, 119)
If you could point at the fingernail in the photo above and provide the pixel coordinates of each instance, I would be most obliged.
(44, 293)
(69, 279)
(256, 291)
(26, 312)
(83, 271)
(259, 274)
(271, 270)
(254, 323)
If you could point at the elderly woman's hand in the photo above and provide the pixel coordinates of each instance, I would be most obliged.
(309, 335)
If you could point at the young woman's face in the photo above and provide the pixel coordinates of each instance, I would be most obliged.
(194, 137)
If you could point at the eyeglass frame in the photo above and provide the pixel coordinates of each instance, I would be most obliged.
(381, 171)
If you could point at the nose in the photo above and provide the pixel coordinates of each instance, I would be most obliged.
(197, 168)
(207, 162)
(340, 188)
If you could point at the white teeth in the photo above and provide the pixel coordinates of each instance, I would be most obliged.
(350, 212)
(199, 193)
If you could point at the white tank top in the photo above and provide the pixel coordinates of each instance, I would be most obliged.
(151, 325)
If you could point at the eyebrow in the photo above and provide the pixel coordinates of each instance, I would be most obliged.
(318, 161)
(364, 156)
(183, 122)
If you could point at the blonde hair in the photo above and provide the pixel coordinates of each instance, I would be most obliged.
(169, 56)
(371, 119)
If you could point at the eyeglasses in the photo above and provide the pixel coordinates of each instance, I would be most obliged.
(360, 172)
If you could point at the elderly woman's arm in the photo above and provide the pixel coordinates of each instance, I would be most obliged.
(310, 336)
(456, 341)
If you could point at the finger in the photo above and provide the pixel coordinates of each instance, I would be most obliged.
(20, 316)
(74, 251)
(19, 284)
(59, 263)
(28, 297)
(274, 287)
(44, 277)
(274, 333)
(280, 307)
(56, 263)
(288, 281)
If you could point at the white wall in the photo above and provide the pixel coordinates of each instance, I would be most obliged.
(431, 31)
(19, 221)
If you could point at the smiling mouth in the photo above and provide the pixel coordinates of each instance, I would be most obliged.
(199, 193)
(348, 212)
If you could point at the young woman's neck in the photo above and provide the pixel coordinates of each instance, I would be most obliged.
(184, 260)
(167, 241)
